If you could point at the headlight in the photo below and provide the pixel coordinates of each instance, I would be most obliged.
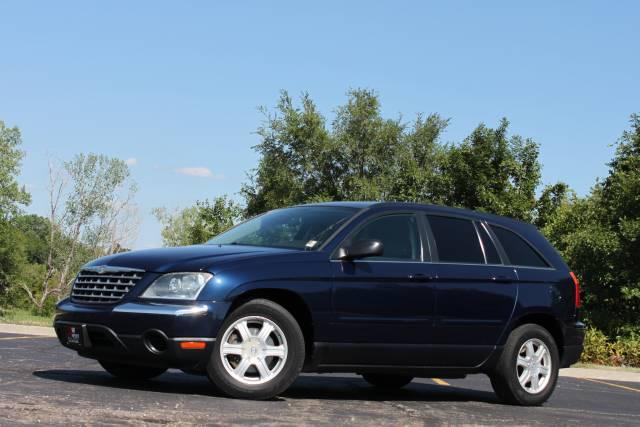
(177, 286)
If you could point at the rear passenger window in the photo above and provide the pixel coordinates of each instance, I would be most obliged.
(518, 251)
(456, 240)
(490, 250)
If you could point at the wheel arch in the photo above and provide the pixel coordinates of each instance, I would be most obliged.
(545, 320)
(291, 301)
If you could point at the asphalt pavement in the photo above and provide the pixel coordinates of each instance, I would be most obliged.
(43, 383)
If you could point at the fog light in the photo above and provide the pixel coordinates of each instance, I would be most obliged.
(155, 341)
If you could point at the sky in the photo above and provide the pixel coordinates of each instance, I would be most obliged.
(174, 87)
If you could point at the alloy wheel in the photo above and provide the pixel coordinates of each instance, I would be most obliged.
(253, 350)
(533, 366)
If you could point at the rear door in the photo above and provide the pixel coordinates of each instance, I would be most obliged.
(475, 292)
(538, 288)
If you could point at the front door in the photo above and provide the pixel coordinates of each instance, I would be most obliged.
(384, 305)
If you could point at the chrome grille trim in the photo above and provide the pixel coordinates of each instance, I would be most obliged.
(104, 284)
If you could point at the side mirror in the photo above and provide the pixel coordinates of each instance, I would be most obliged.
(361, 249)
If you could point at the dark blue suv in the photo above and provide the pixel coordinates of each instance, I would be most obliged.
(391, 291)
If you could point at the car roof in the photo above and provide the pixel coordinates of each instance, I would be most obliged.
(347, 204)
(429, 207)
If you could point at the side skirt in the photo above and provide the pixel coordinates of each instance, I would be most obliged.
(398, 359)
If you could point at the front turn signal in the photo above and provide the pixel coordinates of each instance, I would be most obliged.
(193, 345)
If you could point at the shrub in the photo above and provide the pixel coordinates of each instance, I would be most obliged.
(597, 348)
(625, 351)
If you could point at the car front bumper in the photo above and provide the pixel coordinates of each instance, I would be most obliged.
(143, 333)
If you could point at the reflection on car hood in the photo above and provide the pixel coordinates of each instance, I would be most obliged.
(184, 258)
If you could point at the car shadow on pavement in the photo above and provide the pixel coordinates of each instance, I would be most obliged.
(169, 382)
(354, 388)
(306, 387)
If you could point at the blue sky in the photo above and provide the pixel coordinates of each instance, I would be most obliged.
(177, 85)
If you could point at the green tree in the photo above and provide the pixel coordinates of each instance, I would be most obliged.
(11, 256)
(600, 237)
(361, 156)
(214, 217)
(418, 175)
(198, 223)
(87, 197)
(176, 226)
(368, 148)
(364, 156)
(34, 230)
(550, 200)
(11, 194)
(297, 158)
(490, 171)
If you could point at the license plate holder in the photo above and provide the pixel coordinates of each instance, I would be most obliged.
(74, 336)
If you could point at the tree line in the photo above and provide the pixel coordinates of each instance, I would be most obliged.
(90, 214)
(361, 155)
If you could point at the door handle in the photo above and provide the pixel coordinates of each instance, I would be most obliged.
(419, 277)
(501, 279)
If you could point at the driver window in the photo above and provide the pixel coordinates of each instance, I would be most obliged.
(399, 236)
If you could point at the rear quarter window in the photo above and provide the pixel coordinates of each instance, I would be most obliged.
(517, 249)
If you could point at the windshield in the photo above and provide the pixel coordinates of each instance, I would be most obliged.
(303, 227)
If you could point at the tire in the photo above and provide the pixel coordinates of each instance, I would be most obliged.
(523, 357)
(387, 381)
(255, 367)
(131, 372)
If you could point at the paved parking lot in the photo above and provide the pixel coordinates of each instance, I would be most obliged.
(43, 383)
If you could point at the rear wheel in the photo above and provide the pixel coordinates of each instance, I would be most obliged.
(258, 353)
(387, 381)
(527, 371)
(131, 372)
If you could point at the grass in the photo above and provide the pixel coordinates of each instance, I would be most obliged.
(24, 317)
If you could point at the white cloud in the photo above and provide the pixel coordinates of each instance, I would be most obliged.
(131, 161)
(196, 171)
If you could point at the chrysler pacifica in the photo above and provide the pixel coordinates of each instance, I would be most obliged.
(390, 291)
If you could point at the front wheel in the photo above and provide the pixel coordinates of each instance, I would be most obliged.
(258, 353)
(527, 371)
(387, 381)
(131, 372)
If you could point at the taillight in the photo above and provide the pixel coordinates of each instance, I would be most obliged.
(576, 284)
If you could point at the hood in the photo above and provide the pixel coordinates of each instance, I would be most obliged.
(184, 258)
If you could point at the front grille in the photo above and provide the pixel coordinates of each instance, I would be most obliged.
(104, 285)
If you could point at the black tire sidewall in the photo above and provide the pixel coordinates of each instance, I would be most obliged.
(295, 354)
(505, 379)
